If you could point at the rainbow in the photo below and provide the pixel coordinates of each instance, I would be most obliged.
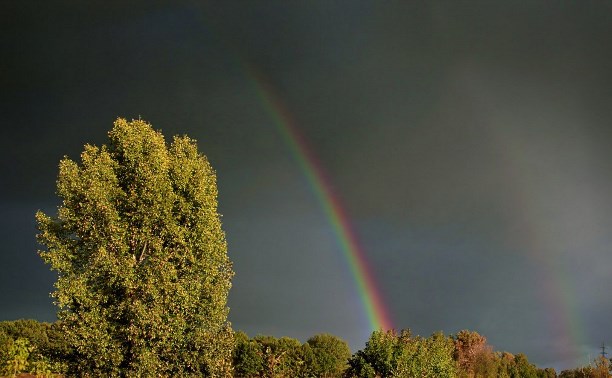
(371, 299)
(542, 241)
(556, 289)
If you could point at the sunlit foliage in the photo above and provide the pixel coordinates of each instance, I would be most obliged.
(389, 354)
(141, 257)
(326, 356)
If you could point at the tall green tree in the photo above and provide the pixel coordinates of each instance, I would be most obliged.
(143, 271)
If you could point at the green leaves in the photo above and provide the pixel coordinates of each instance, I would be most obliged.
(142, 260)
(18, 353)
(266, 356)
(330, 355)
(388, 354)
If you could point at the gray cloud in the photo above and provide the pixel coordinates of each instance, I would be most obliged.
(469, 144)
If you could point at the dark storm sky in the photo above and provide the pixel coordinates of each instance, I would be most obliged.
(469, 143)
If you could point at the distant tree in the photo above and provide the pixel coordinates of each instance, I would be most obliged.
(32, 330)
(471, 352)
(517, 366)
(388, 354)
(142, 260)
(599, 369)
(430, 357)
(547, 373)
(378, 356)
(292, 363)
(359, 367)
(486, 364)
(17, 356)
(580, 372)
(523, 368)
(268, 357)
(282, 357)
(602, 367)
(329, 356)
(506, 367)
(247, 357)
(568, 373)
(43, 341)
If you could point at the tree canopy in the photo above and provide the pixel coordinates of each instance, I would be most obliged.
(392, 354)
(143, 271)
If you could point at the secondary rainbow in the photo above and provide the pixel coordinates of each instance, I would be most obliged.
(371, 299)
(557, 289)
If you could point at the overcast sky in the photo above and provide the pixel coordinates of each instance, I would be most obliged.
(469, 143)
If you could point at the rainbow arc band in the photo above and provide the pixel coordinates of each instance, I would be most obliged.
(370, 297)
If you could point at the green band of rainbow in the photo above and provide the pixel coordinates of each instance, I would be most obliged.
(371, 299)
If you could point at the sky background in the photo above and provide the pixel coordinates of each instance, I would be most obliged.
(469, 144)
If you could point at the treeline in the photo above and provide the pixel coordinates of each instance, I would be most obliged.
(386, 354)
(389, 354)
(34, 347)
(38, 348)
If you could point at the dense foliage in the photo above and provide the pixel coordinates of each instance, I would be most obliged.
(389, 354)
(600, 369)
(30, 346)
(326, 356)
(322, 355)
(40, 348)
(143, 268)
